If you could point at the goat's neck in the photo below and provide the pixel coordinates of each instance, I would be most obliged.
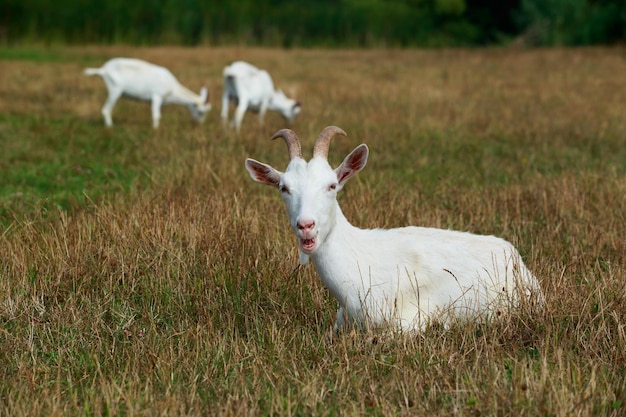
(182, 95)
(271, 105)
(340, 237)
(275, 107)
(336, 259)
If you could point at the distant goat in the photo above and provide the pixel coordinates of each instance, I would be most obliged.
(404, 276)
(141, 80)
(252, 89)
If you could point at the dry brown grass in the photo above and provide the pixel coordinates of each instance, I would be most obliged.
(182, 296)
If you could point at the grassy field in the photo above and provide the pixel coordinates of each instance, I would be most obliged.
(144, 273)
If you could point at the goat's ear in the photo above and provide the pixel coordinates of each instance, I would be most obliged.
(352, 164)
(263, 173)
(204, 95)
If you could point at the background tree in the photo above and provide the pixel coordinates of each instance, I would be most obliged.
(330, 23)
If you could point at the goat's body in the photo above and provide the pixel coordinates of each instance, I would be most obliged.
(405, 276)
(410, 275)
(141, 80)
(251, 88)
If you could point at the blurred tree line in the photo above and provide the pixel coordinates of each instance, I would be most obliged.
(361, 23)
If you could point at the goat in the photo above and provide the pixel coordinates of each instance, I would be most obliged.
(141, 80)
(404, 276)
(251, 88)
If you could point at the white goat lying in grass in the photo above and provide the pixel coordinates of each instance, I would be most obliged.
(252, 89)
(402, 276)
(141, 80)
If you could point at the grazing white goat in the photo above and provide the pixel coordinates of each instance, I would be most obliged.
(252, 89)
(141, 80)
(404, 276)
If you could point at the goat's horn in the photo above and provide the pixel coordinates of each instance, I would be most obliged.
(293, 144)
(322, 144)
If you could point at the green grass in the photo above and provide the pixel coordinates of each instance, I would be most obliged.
(145, 273)
(58, 163)
(30, 54)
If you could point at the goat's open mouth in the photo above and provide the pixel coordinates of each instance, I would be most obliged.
(308, 245)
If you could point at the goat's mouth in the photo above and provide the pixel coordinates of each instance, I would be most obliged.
(308, 245)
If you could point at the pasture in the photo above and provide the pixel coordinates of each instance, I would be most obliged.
(143, 272)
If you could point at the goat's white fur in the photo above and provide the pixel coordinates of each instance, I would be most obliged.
(141, 80)
(405, 276)
(251, 88)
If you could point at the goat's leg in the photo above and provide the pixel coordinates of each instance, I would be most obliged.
(156, 110)
(225, 104)
(342, 320)
(239, 113)
(262, 111)
(114, 95)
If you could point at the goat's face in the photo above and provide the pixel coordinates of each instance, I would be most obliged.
(310, 188)
(310, 194)
(200, 110)
(288, 107)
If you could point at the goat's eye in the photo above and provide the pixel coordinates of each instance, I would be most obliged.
(283, 189)
(332, 187)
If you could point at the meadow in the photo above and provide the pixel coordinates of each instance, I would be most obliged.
(143, 272)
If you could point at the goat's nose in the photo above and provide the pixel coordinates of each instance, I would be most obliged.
(305, 225)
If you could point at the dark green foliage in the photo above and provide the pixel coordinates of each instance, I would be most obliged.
(362, 23)
(572, 22)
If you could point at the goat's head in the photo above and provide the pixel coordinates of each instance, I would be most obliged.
(200, 109)
(310, 188)
(287, 107)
